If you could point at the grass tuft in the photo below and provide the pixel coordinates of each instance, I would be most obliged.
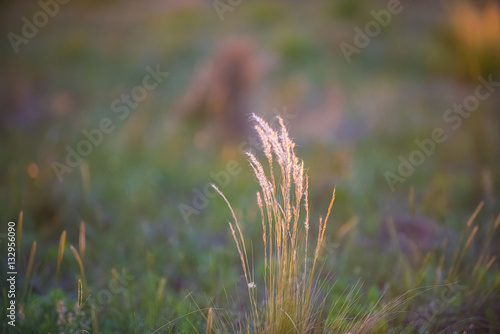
(292, 304)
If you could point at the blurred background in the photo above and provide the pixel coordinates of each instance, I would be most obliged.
(120, 113)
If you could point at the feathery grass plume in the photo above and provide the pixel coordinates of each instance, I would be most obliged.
(60, 251)
(19, 233)
(292, 303)
(81, 239)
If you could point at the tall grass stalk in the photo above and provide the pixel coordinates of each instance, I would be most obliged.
(31, 261)
(80, 265)
(60, 251)
(81, 239)
(292, 304)
(210, 318)
(80, 293)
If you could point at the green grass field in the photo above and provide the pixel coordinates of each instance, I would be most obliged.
(117, 117)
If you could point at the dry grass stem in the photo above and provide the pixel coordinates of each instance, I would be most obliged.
(80, 293)
(81, 239)
(31, 261)
(60, 252)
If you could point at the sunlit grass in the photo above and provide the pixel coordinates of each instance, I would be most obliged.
(293, 302)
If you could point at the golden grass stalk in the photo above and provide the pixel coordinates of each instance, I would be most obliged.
(60, 252)
(31, 261)
(81, 239)
(78, 259)
(115, 274)
(240, 245)
(290, 300)
(80, 263)
(459, 269)
(439, 269)
(483, 264)
(346, 227)
(474, 214)
(471, 236)
(29, 270)
(210, 320)
(497, 222)
(161, 291)
(80, 293)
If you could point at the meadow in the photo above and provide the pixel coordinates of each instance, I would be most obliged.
(250, 167)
